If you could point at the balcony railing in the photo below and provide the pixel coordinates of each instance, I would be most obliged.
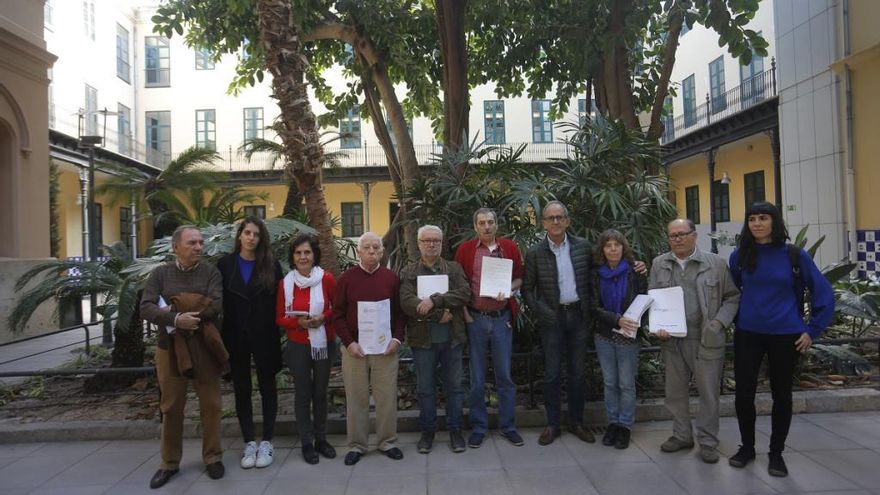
(748, 94)
(374, 156)
(67, 121)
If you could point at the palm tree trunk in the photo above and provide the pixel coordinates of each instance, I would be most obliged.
(293, 201)
(128, 352)
(299, 130)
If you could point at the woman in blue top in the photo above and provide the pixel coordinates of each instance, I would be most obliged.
(250, 279)
(770, 322)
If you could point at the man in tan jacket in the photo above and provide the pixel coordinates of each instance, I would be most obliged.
(710, 300)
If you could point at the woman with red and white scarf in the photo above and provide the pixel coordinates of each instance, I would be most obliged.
(303, 310)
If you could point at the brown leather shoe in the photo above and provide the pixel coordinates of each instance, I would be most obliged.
(582, 433)
(548, 435)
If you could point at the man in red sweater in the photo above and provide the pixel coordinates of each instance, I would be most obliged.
(490, 325)
(368, 282)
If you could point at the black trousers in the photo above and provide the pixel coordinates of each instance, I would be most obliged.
(240, 362)
(310, 379)
(749, 349)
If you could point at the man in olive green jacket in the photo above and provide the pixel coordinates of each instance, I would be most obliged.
(436, 333)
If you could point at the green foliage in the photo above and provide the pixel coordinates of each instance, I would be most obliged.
(97, 356)
(603, 183)
(567, 46)
(858, 303)
(800, 240)
(54, 192)
(207, 206)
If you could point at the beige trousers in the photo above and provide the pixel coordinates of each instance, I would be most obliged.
(682, 362)
(359, 375)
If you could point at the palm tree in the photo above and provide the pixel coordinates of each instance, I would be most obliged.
(119, 281)
(281, 43)
(62, 279)
(191, 169)
(199, 206)
(275, 153)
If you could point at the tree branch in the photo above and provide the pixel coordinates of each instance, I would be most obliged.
(655, 128)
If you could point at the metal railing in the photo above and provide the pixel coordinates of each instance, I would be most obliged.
(66, 121)
(374, 156)
(86, 342)
(748, 94)
(533, 360)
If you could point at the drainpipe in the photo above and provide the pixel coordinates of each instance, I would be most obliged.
(848, 127)
(713, 222)
(134, 229)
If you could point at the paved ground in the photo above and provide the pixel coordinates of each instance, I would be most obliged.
(64, 345)
(826, 453)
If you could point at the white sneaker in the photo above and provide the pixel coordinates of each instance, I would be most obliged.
(264, 454)
(249, 456)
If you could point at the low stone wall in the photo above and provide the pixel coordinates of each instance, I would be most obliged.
(812, 401)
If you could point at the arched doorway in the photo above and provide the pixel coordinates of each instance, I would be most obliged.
(7, 156)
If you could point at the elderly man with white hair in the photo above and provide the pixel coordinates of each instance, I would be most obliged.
(435, 330)
(368, 282)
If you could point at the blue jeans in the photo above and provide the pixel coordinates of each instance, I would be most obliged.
(495, 332)
(426, 360)
(620, 363)
(569, 336)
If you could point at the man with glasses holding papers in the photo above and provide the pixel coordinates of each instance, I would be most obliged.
(710, 304)
(490, 320)
(366, 316)
(433, 294)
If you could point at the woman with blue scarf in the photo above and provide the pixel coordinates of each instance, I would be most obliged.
(615, 286)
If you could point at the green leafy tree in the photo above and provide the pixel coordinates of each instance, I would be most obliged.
(620, 52)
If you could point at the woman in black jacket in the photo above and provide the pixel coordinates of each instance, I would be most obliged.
(250, 280)
(615, 285)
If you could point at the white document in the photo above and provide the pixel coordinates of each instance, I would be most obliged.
(634, 312)
(374, 325)
(162, 305)
(297, 313)
(428, 285)
(496, 277)
(667, 311)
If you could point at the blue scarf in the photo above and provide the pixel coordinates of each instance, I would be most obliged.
(613, 285)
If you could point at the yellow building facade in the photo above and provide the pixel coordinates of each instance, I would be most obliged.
(859, 70)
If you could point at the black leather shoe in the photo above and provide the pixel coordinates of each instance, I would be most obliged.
(215, 470)
(161, 477)
(393, 453)
(610, 435)
(352, 458)
(309, 453)
(325, 449)
(623, 436)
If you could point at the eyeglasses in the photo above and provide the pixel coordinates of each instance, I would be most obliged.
(431, 241)
(679, 235)
(555, 218)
